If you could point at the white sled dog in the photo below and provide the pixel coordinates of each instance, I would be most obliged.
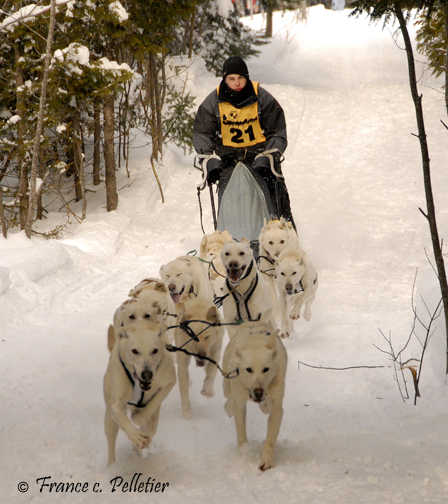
(186, 274)
(246, 292)
(208, 346)
(260, 358)
(210, 251)
(139, 376)
(129, 312)
(297, 284)
(274, 237)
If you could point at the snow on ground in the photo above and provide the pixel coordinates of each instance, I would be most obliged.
(353, 171)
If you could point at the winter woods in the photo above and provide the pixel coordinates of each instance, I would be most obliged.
(112, 68)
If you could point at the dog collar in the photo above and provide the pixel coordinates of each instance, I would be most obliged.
(137, 391)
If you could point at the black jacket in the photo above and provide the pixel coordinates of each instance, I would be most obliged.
(207, 123)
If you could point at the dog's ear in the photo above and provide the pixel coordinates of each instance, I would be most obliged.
(245, 240)
(213, 315)
(160, 287)
(203, 247)
(156, 305)
(161, 271)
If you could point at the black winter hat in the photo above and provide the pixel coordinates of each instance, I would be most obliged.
(235, 65)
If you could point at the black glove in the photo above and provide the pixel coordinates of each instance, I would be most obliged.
(214, 169)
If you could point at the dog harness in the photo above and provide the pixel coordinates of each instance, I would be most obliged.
(138, 393)
(240, 127)
(242, 300)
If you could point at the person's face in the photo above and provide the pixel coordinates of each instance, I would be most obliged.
(236, 82)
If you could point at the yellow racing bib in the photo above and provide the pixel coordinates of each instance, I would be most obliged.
(241, 127)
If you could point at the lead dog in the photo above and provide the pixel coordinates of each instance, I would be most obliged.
(186, 274)
(208, 346)
(297, 284)
(246, 293)
(210, 251)
(260, 359)
(139, 376)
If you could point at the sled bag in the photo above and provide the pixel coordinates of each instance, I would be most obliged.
(243, 206)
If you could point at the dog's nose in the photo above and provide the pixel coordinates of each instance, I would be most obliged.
(171, 287)
(258, 393)
(288, 287)
(233, 264)
(147, 375)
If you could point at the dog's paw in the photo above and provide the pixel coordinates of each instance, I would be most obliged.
(186, 413)
(207, 391)
(264, 466)
(266, 462)
(284, 334)
(307, 314)
(228, 407)
(295, 314)
(139, 439)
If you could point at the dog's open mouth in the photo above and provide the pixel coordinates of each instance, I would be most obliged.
(200, 362)
(145, 385)
(175, 296)
(235, 274)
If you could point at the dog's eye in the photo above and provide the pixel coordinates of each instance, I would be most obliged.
(241, 253)
(282, 242)
(132, 317)
(226, 254)
(249, 370)
(135, 351)
(271, 243)
(265, 370)
(294, 272)
(179, 274)
(147, 315)
(156, 350)
(282, 273)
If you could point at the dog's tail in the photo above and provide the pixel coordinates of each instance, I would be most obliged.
(110, 338)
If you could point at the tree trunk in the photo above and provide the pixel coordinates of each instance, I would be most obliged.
(79, 161)
(2, 216)
(96, 142)
(431, 214)
(109, 155)
(40, 121)
(22, 194)
(446, 58)
(269, 22)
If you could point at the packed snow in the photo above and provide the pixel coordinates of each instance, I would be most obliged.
(354, 175)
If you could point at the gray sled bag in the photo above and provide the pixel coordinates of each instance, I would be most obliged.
(244, 203)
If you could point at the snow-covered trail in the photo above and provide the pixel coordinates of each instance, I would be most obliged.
(353, 173)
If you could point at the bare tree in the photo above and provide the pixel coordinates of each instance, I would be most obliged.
(34, 191)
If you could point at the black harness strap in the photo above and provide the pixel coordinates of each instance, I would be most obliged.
(128, 374)
(242, 300)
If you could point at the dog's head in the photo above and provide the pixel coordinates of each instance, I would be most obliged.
(257, 361)
(236, 259)
(290, 268)
(177, 275)
(274, 237)
(137, 309)
(203, 310)
(141, 348)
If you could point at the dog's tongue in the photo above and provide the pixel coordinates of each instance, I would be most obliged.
(235, 275)
(175, 298)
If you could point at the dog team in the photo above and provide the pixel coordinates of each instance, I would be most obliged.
(178, 313)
